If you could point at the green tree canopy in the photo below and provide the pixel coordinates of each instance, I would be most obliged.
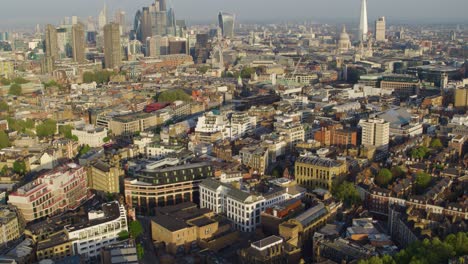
(66, 131)
(15, 89)
(433, 251)
(4, 140)
(84, 149)
(140, 251)
(173, 95)
(20, 125)
(419, 153)
(99, 77)
(4, 81)
(123, 235)
(247, 72)
(136, 229)
(47, 128)
(384, 178)
(436, 143)
(423, 180)
(19, 80)
(19, 167)
(4, 106)
(347, 193)
(397, 172)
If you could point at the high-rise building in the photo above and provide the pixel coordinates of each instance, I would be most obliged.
(375, 133)
(119, 18)
(51, 42)
(162, 5)
(177, 46)
(112, 47)
(153, 46)
(461, 97)
(171, 23)
(102, 19)
(380, 29)
(78, 43)
(226, 23)
(145, 23)
(363, 25)
(137, 26)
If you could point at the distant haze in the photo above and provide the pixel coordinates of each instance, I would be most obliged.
(29, 12)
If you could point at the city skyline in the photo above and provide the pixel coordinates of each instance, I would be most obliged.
(205, 11)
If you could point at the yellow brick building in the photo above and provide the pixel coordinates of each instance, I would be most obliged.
(316, 172)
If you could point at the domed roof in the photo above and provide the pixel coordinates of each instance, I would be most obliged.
(344, 35)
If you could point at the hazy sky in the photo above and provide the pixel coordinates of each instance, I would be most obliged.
(27, 12)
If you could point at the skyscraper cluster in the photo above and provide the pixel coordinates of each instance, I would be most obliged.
(155, 20)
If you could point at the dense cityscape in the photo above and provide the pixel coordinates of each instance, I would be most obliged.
(144, 138)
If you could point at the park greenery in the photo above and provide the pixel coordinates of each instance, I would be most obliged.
(20, 125)
(423, 180)
(436, 143)
(66, 131)
(172, 95)
(4, 140)
(428, 251)
(419, 153)
(15, 89)
(384, 177)
(84, 150)
(52, 83)
(99, 77)
(4, 106)
(140, 251)
(19, 167)
(123, 235)
(47, 128)
(136, 229)
(347, 193)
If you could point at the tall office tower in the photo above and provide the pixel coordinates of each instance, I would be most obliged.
(74, 20)
(78, 43)
(158, 23)
(162, 5)
(112, 47)
(380, 27)
(171, 23)
(146, 23)
(181, 28)
(461, 98)
(178, 46)
(375, 133)
(363, 25)
(119, 18)
(51, 42)
(102, 20)
(226, 23)
(137, 26)
(153, 46)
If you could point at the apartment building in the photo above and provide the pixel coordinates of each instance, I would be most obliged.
(61, 189)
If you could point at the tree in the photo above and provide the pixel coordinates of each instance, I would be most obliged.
(4, 170)
(397, 172)
(247, 72)
(4, 106)
(4, 140)
(123, 235)
(419, 153)
(85, 149)
(4, 81)
(386, 259)
(203, 69)
(19, 80)
(66, 131)
(15, 89)
(140, 251)
(19, 167)
(347, 193)
(47, 128)
(423, 180)
(106, 139)
(436, 143)
(173, 95)
(136, 229)
(384, 178)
